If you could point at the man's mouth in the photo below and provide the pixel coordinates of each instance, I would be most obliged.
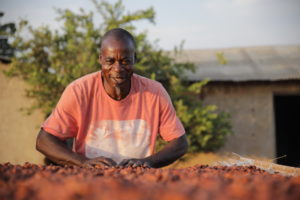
(119, 79)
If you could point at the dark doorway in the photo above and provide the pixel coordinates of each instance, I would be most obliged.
(287, 124)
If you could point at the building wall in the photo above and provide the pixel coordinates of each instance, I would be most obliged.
(18, 131)
(251, 108)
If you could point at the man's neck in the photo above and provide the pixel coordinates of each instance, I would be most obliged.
(117, 92)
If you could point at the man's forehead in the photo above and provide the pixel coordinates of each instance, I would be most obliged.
(117, 43)
(109, 51)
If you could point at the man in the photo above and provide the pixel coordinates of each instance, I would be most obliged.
(114, 115)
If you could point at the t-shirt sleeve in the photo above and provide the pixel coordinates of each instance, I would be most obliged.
(63, 121)
(170, 126)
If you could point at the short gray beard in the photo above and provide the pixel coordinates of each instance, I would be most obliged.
(118, 91)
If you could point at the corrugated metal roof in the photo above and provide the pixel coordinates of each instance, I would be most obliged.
(245, 64)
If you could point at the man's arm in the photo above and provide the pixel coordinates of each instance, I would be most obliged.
(57, 151)
(170, 153)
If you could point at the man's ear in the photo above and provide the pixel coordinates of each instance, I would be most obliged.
(99, 59)
(135, 57)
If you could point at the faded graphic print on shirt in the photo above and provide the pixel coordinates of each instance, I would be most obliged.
(118, 139)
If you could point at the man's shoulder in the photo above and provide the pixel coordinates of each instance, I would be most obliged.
(147, 84)
(145, 80)
(86, 80)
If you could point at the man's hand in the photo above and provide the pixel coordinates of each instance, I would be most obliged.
(99, 161)
(171, 152)
(136, 163)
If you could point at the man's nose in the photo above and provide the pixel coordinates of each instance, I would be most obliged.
(117, 66)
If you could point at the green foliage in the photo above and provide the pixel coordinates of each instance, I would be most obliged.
(206, 129)
(50, 60)
(6, 29)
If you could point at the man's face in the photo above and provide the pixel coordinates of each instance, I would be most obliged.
(117, 60)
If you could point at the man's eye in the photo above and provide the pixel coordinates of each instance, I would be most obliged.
(126, 62)
(109, 62)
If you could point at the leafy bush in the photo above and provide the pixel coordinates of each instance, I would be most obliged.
(49, 60)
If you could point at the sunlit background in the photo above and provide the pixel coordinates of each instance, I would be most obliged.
(201, 24)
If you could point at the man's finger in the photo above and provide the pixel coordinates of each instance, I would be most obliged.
(130, 163)
(138, 163)
(96, 162)
(109, 161)
(106, 161)
(87, 165)
(123, 162)
(146, 164)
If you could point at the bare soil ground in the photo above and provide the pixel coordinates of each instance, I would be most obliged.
(31, 181)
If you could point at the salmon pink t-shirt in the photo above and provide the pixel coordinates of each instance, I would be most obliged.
(106, 127)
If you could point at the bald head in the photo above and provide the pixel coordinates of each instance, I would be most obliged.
(118, 35)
